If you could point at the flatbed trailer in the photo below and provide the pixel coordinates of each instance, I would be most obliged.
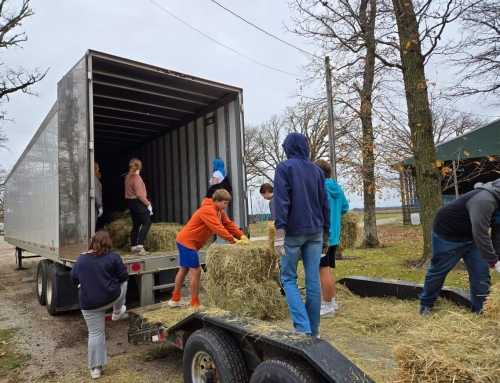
(224, 347)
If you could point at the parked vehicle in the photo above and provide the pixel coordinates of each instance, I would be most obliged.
(111, 109)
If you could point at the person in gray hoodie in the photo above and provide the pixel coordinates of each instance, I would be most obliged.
(461, 231)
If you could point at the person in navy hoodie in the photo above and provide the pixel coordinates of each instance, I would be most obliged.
(302, 222)
(102, 281)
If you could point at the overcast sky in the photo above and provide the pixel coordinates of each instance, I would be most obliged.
(61, 31)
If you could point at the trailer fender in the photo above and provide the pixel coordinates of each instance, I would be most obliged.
(61, 293)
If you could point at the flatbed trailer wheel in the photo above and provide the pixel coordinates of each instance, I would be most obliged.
(281, 371)
(41, 281)
(212, 356)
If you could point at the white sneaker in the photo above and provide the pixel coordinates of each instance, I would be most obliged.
(327, 312)
(181, 303)
(335, 306)
(95, 373)
(118, 316)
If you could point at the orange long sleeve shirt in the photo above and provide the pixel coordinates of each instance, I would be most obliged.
(205, 221)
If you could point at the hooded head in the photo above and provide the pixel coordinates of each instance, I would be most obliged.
(296, 146)
(493, 187)
(219, 166)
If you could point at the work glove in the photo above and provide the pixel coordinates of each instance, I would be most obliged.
(150, 208)
(100, 213)
(244, 239)
(279, 242)
(497, 266)
(326, 243)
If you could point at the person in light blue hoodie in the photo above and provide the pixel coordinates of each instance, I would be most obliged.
(338, 207)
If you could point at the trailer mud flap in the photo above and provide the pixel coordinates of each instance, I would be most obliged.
(381, 287)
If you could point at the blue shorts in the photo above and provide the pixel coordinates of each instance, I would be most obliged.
(188, 257)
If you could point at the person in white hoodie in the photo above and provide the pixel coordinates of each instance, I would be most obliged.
(338, 207)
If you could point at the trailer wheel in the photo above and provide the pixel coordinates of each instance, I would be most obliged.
(280, 371)
(51, 292)
(41, 281)
(211, 356)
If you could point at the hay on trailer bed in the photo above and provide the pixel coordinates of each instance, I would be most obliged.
(160, 238)
(119, 231)
(242, 278)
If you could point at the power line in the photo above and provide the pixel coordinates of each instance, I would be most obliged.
(225, 46)
(262, 30)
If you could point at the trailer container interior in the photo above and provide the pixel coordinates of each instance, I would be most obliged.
(112, 109)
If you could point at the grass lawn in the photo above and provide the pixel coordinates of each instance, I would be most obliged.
(10, 359)
(382, 216)
(402, 243)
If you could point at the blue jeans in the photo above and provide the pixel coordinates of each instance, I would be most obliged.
(305, 317)
(445, 255)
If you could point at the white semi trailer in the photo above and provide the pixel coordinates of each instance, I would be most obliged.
(111, 109)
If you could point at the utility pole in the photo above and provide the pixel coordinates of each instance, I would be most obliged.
(331, 130)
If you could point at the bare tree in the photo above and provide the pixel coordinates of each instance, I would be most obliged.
(264, 142)
(346, 30)
(264, 151)
(477, 55)
(3, 176)
(15, 79)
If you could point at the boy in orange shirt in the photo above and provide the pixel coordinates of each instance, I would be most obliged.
(209, 219)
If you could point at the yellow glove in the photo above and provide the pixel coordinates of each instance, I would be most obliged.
(236, 240)
(244, 239)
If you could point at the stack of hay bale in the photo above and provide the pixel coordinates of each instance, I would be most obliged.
(242, 278)
(160, 238)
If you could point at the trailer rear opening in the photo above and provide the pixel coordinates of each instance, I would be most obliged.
(110, 109)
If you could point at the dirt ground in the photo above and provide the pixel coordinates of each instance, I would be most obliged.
(56, 347)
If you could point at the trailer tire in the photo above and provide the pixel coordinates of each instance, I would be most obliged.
(280, 371)
(211, 353)
(51, 292)
(41, 281)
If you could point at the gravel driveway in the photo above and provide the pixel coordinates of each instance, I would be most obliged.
(57, 346)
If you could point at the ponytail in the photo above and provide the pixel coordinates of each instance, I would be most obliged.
(133, 165)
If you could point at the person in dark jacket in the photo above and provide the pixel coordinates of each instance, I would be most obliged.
(461, 231)
(102, 281)
(302, 222)
(266, 191)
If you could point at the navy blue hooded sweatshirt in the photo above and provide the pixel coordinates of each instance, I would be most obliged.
(99, 278)
(300, 199)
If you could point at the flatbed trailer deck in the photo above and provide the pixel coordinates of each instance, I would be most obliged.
(225, 347)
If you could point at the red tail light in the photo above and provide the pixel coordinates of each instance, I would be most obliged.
(136, 267)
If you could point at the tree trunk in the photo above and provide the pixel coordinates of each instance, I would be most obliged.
(367, 18)
(419, 119)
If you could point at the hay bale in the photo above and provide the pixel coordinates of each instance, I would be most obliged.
(348, 231)
(119, 231)
(491, 307)
(271, 234)
(241, 279)
(161, 237)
